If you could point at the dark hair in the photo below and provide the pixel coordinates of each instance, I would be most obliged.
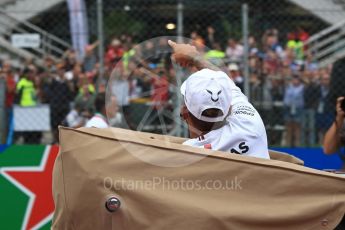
(296, 76)
(337, 83)
(212, 113)
(100, 102)
(26, 71)
(205, 126)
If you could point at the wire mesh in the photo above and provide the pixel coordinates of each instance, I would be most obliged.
(288, 81)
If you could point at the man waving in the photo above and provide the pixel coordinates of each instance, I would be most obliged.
(218, 114)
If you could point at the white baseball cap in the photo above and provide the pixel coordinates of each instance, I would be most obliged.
(207, 89)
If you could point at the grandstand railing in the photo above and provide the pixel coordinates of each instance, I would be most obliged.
(4, 2)
(341, 2)
(50, 44)
(328, 45)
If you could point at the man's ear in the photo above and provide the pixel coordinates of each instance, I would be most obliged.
(184, 113)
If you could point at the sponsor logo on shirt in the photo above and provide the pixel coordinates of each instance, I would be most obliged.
(243, 148)
(245, 110)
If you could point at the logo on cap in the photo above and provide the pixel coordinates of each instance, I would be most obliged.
(217, 95)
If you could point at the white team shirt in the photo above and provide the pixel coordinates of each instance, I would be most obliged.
(243, 134)
(97, 121)
(73, 119)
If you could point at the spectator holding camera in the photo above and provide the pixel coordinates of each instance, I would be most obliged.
(334, 137)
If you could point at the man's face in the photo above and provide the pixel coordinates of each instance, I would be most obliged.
(234, 73)
(193, 131)
(325, 81)
(184, 113)
(6, 67)
(30, 75)
(296, 81)
(231, 43)
(271, 40)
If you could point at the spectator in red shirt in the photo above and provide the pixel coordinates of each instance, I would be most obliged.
(10, 85)
(10, 93)
(114, 53)
(160, 88)
(302, 34)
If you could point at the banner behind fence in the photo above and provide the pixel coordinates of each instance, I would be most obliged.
(31, 118)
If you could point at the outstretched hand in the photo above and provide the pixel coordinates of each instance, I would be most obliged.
(188, 56)
(184, 54)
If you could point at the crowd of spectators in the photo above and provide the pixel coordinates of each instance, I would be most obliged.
(66, 85)
(287, 86)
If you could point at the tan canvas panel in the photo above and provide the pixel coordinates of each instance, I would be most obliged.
(216, 191)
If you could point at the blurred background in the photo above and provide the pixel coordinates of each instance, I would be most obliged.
(56, 56)
(60, 59)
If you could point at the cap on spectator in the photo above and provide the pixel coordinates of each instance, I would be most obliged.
(115, 42)
(233, 67)
(68, 75)
(207, 89)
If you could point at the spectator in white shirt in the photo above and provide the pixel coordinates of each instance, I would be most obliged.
(234, 51)
(235, 74)
(74, 118)
(104, 110)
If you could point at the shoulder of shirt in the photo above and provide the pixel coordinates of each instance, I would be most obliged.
(97, 122)
(245, 117)
(192, 142)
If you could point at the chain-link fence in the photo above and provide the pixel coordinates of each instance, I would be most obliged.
(285, 71)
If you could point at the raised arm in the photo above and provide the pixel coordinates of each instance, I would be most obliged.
(187, 56)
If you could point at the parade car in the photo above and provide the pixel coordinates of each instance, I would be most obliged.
(121, 179)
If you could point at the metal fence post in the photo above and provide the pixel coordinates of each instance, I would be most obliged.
(3, 122)
(180, 20)
(245, 31)
(179, 73)
(101, 42)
